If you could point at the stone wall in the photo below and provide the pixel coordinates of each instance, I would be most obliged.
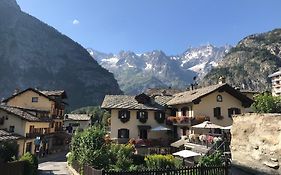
(256, 142)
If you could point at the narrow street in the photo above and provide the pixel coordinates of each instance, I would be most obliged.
(53, 165)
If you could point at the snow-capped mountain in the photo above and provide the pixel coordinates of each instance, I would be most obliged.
(137, 72)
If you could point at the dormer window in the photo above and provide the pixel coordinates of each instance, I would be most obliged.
(34, 99)
(219, 98)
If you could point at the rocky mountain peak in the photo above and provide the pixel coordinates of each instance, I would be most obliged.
(9, 4)
(135, 72)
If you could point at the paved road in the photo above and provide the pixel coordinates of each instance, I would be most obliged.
(53, 165)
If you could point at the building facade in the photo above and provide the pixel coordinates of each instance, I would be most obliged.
(276, 83)
(41, 105)
(180, 111)
(74, 122)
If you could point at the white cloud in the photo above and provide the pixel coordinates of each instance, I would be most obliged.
(75, 22)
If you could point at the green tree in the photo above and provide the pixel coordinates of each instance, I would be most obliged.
(89, 147)
(266, 103)
(8, 151)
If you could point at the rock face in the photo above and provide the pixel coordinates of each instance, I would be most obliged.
(256, 142)
(33, 54)
(249, 63)
(137, 72)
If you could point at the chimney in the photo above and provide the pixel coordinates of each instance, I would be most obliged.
(221, 80)
(191, 87)
(16, 91)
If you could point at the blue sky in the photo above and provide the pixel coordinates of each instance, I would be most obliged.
(144, 25)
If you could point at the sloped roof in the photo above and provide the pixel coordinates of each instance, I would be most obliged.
(275, 74)
(7, 136)
(161, 91)
(78, 117)
(21, 113)
(193, 95)
(129, 102)
(28, 89)
(55, 93)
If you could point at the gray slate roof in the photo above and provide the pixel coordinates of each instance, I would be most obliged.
(22, 114)
(7, 136)
(189, 96)
(129, 102)
(161, 91)
(78, 117)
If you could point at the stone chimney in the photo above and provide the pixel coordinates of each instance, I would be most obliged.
(221, 80)
(16, 91)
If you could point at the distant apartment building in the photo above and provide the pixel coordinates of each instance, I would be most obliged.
(276, 83)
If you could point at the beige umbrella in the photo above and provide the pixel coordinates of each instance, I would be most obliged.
(207, 125)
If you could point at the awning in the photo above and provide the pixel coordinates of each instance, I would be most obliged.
(144, 126)
(186, 154)
(160, 128)
(207, 125)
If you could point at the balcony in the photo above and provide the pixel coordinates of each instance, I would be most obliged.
(33, 135)
(59, 129)
(186, 120)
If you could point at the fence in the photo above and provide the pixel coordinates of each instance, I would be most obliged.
(212, 170)
(12, 168)
(182, 171)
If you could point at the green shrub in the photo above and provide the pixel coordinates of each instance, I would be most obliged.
(215, 159)
(121, 157)
(158, 161)
(31, 164)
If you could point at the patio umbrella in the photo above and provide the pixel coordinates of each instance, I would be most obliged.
(186, 154)
(207, 125)
(160, 128)
(227, 127)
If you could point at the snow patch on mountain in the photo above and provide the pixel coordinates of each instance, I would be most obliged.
(135, 70)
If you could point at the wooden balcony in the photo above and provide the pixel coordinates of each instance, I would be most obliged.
(186, 120)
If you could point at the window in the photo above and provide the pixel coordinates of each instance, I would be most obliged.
(219, 98)
(28, 147)
(34, 99)
(124, 116)
(31, 129)
(232, 111)
(123, 133)
(185, 111)
(142, 116)
(159, 116)
(12, 129)
(217, 112)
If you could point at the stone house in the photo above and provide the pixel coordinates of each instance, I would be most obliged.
(74, 122)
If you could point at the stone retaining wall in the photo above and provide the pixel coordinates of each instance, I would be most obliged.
(256, 142)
